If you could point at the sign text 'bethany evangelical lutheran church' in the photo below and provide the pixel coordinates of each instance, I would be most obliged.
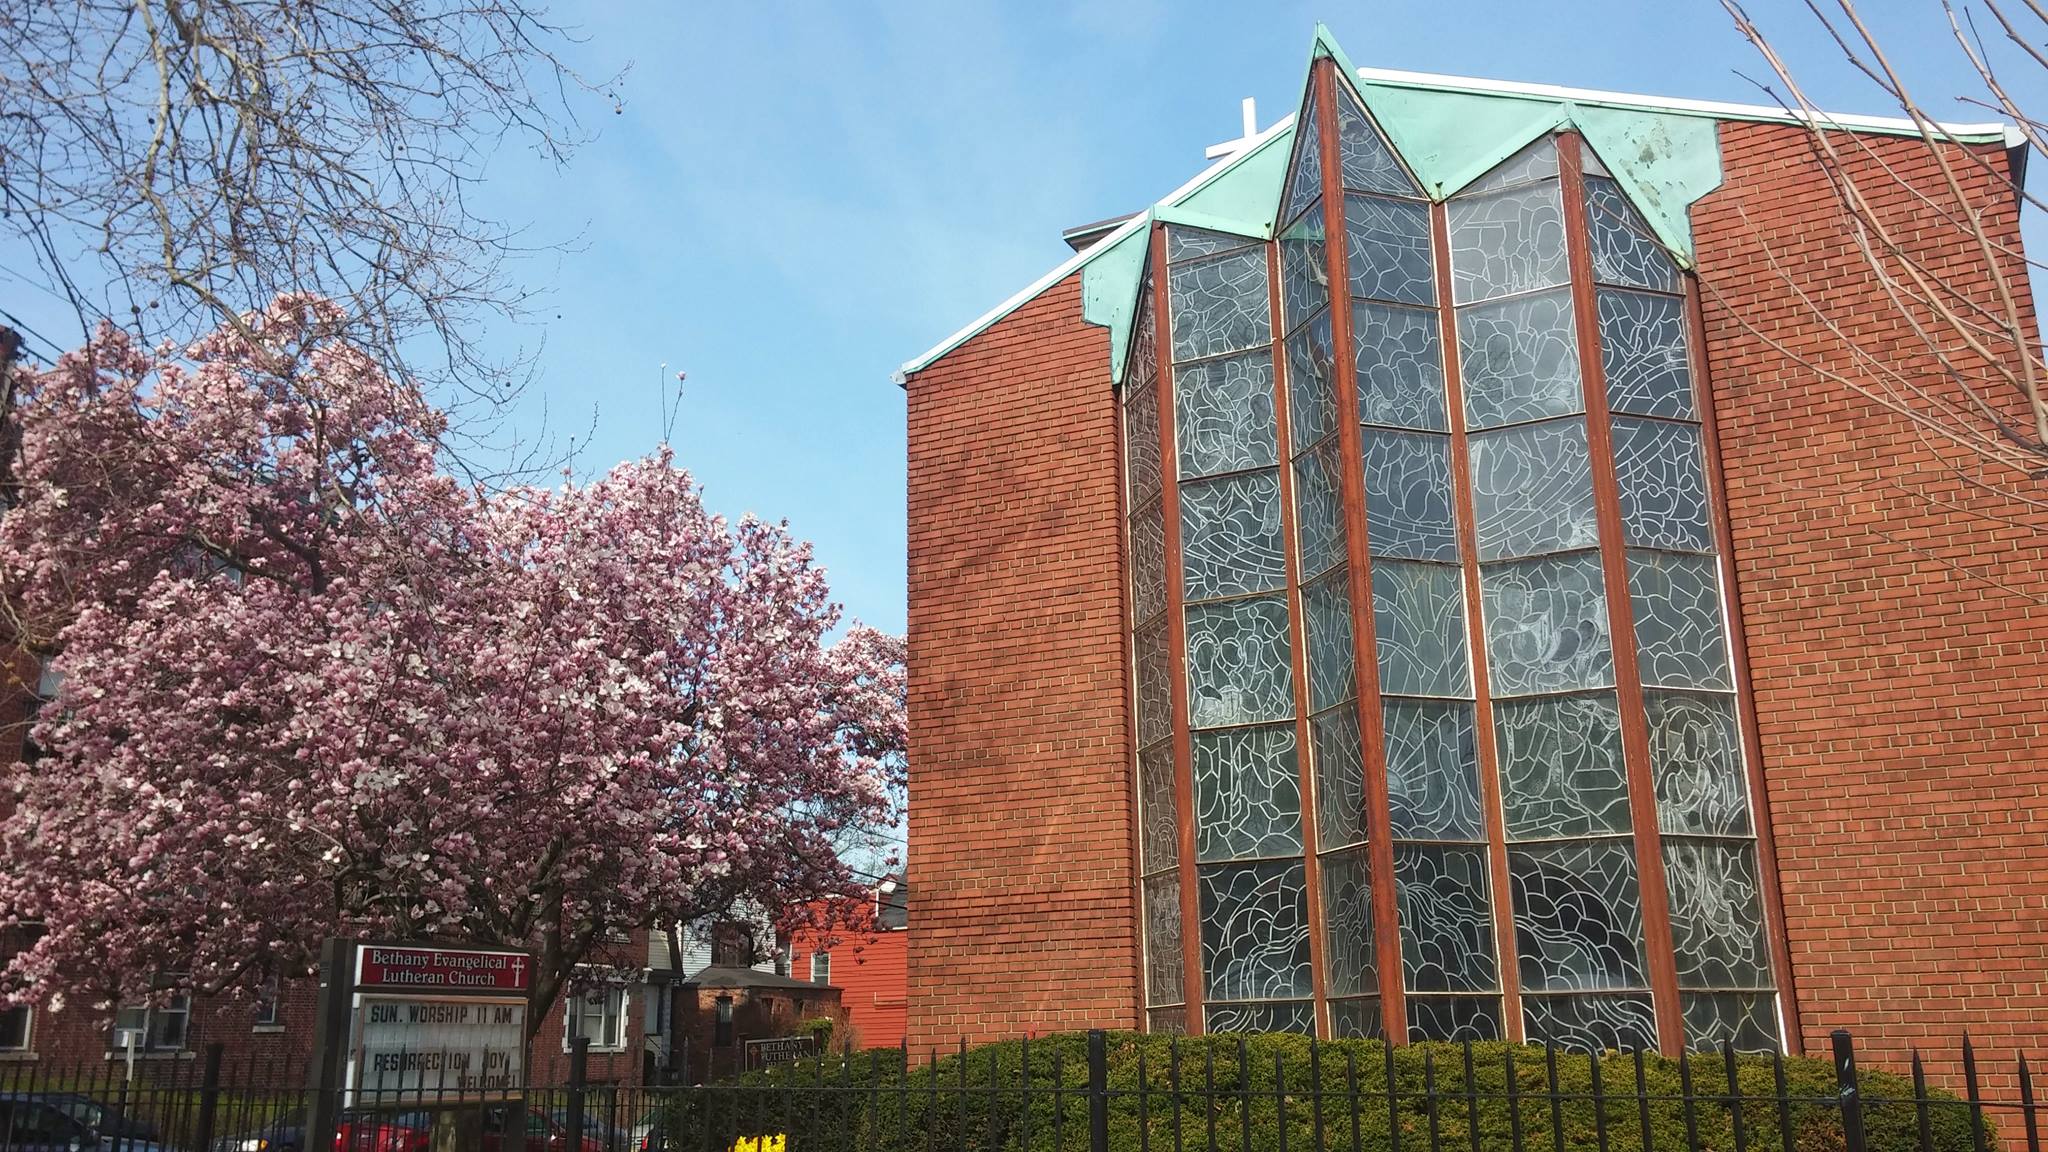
(381, 966)
(437, 1024)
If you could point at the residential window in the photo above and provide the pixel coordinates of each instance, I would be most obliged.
(156, 1027)
(821, 967)
(269, 1005)
(721, 1032)
(600, 1014)
(651, 1022)
(15, 1025)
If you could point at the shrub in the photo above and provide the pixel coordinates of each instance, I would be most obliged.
(1233, 1086)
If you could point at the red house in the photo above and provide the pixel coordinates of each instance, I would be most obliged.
(870, 967)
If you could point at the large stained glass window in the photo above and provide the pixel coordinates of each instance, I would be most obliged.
(1252, 939)
(1379, 578)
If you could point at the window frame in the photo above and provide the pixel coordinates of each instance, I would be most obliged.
(178, 1007)
(26, 1013)
(269, 1006)
(825, 956)
(577, 1011)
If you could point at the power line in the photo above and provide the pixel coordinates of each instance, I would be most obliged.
(20, 325)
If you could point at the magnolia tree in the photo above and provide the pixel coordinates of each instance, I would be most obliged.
(312, 685)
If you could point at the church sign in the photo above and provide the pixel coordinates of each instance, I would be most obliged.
(435, 1024)
(418, 1025)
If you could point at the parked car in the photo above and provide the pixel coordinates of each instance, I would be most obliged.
(597, 1135)
(69, 1122)
(354, 1131)
(365, 1131)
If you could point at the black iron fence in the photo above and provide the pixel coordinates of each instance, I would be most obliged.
(1102, 1092)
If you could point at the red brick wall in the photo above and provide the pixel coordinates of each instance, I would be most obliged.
(77, 1038)
(1020, 793)
(1897, 632)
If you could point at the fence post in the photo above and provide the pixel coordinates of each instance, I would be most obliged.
(579, 1068)
(1847, 1092)
(209, 1099)
(1098, 1091)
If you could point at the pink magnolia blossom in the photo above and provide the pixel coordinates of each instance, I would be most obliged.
(314, 685)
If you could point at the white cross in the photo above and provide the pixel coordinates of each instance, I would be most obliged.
(1251, 130)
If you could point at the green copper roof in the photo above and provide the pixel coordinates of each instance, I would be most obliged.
(1450, 130)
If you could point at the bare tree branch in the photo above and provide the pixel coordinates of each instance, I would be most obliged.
(174, 165)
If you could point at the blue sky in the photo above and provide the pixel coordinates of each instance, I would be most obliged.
(798, 197)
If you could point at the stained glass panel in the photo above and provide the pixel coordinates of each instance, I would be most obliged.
(1748, 1021)
(1238, 665)
(1326, 622)
(1142, 363)
(1230, 537)
(1408, 495)
(1399, 356)
(1446, 918)
(1520, 360)
(1591, 1023)
(1219, 305)
(1387, 250)
(1297, 1016)
(1312, 382)
(1696, 759)
(1185, 243)
(1717, 916)
(1537, 161)
(1348, 957)
(1546, 625)
(1165, 965)
(1643, 352)
(1454, 1018)
(1340, 777)
(1506, 242)
(1561, 766)
(1532, 490)
(1304, 268)
(1679, 641)
(1247, 785)
(1625, 250)
(1159, 827)
(1167, 1021)
(1224, 414)
(1368, 163)
(1141, 435)
(1432, 770)
(1578, 916)
(1305, 176)
(1319, 509)
(1661, 470)
(1155, 693)
(1148, 561)
(1358, 1018)
(1254, 930)
(1419, 620)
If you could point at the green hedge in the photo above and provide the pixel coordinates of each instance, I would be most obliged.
(872, 1104)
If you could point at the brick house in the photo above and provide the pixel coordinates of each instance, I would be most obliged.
(721, 1011)
(1481, 627)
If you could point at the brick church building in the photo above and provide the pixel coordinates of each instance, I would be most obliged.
(1517, 616)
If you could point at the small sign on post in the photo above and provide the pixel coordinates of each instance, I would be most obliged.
(783, 1050)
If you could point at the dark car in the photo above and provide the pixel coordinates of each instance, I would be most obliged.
(597, 1135)
(69, 1122)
